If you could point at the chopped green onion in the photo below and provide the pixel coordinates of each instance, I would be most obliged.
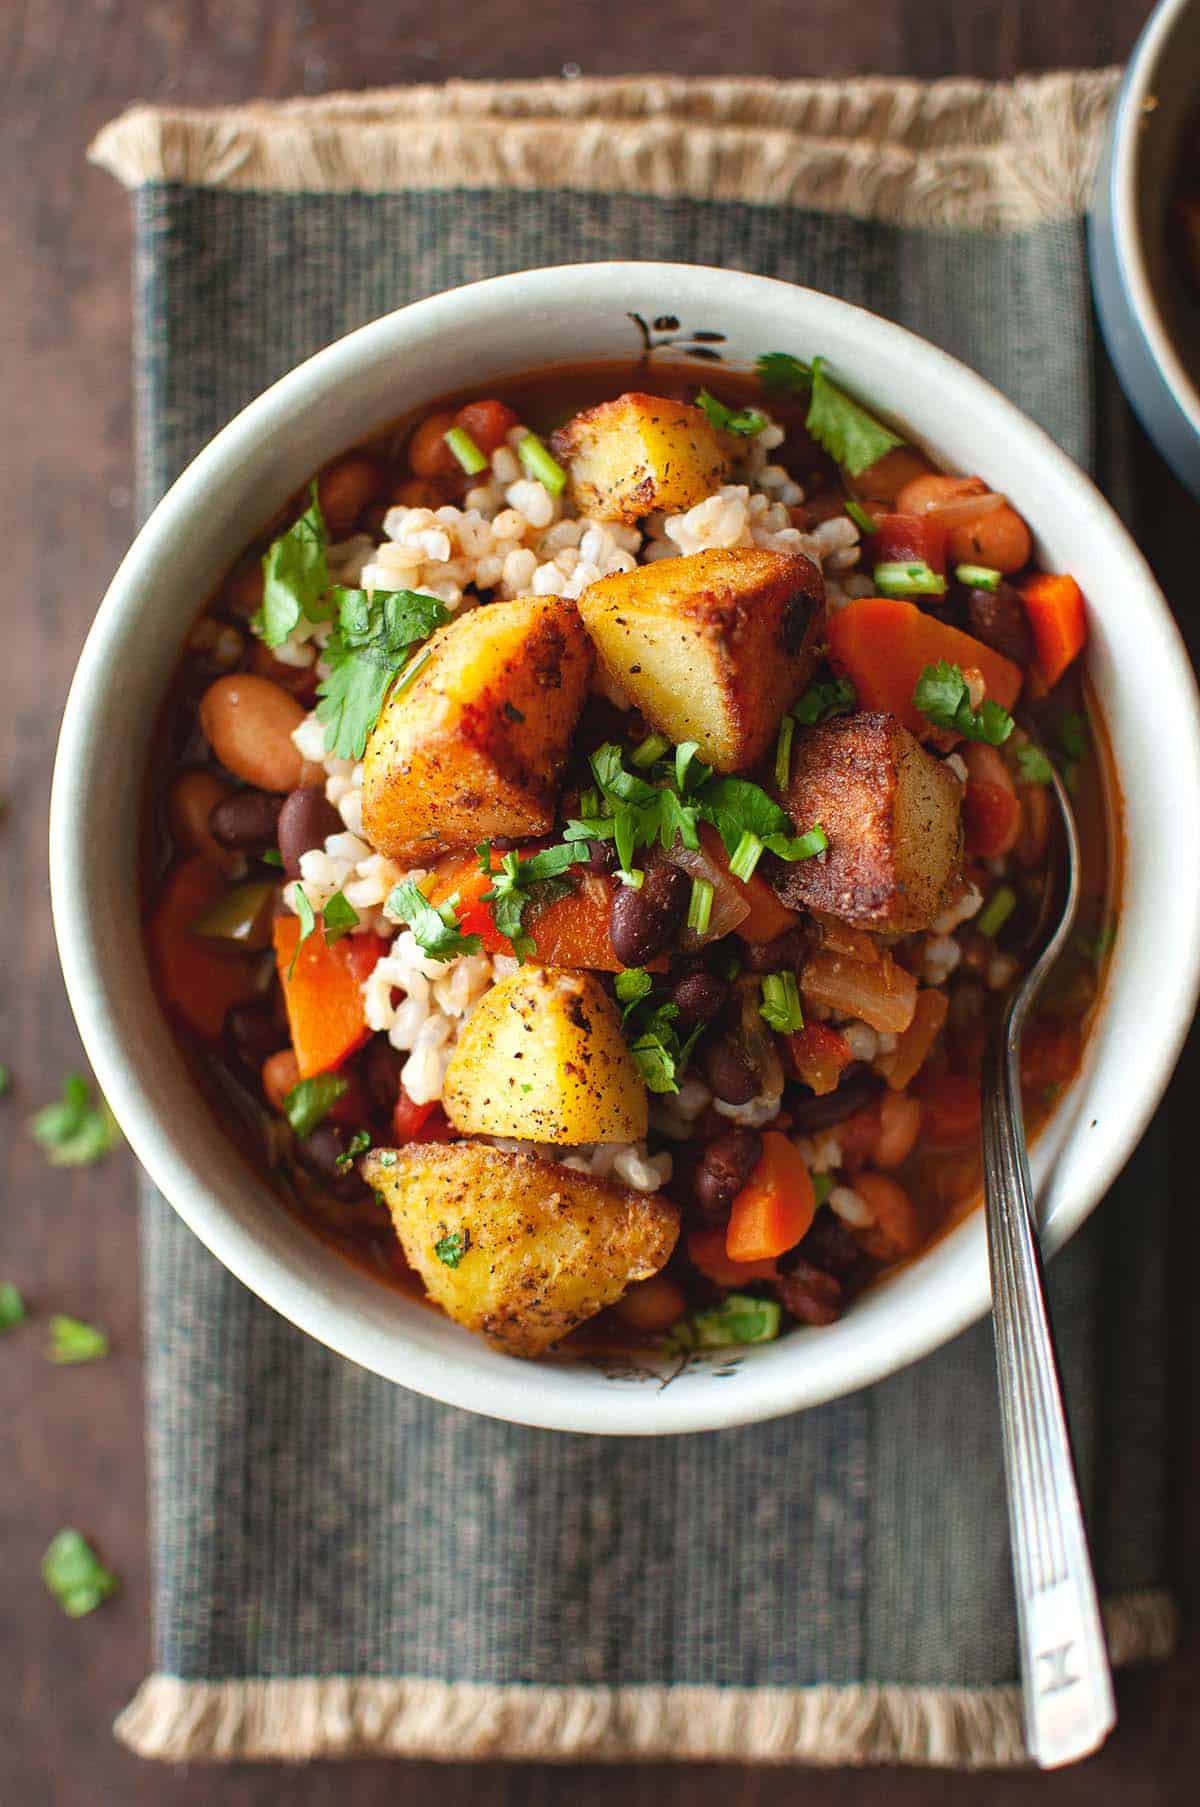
(75, 1574)
(632, 877)
(73, 1341)
(739, 1318)
(412, 671)
(12, 1306)
(310, 1102)
(538, 464)
(862, 520)
(700, 906)
(652, 748)
(978, 577)
(822, 1187)
(780, 1006)
(1032, 765)
(904, 579)
(746, 856)
(996, 911)
(272, 857)
(465, 450)
(5, 1080)
(783, 751)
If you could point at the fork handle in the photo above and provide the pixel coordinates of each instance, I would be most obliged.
(1065, 1675)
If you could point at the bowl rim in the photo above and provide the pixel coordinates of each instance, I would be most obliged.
(1134, 102)
(794, 1385)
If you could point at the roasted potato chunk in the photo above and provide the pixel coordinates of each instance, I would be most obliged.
(638, 453)
(475, 745)
(712, 648)
(516, 1247)
(893, 816)
(542, 1058)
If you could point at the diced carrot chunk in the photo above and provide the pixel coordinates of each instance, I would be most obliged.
(775, 1208)
(884, 645)
(706, 1251)
(323, 993)
(1054, 607)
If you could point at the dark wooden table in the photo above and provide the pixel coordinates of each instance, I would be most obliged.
(71, 1440)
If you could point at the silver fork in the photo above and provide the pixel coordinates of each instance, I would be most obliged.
(1066, 1680)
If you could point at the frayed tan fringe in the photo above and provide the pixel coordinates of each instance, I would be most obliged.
(344, 1716)
(954, 153)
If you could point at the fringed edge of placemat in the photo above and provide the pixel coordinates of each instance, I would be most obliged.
(955, 153)
(343, 1716)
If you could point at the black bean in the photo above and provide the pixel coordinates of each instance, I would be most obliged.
(699, 998)
(305, 819)
(829, 1245)
(721, 1170)
(811, 1111)
(246, 821)
(321, 1152)
(254, 1031)
(644, 922)
(381, 1064)
(730, 1072)
(808, 1294)
(997, 617)
(601, 860)
(785, 954)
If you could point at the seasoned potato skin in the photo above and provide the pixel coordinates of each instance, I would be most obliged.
(542, 1058)
(475, 746)
(545, 1248)
(640, 452)
(893, 816)
(713, 647)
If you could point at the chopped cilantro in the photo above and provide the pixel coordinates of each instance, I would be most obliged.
(71, 1340)
(295, 577)
(826, 698)
(843, 427)
(632, 985)
(745, 422)
(12, 1306)
(358, 1144)
(822, 1187)
(272, 857)
(451, 1248)
(310, 1102)
(1032, 765)
(780, 1007)
(374, 637)
(78, 1130)
(737, 808)
(5, 1080)
(434, 926)
(942, 696)
(655, 1043)
(739, 1318)
(307, 918)
(338, 917)
(519, 883)
(75, 1574)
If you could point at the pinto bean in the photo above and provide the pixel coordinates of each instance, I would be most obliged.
(652, 1305)
(305, 819)
(190, 803)
(280, 1075)
(248, 722)
(999, 539)
(344, 489)
(246, 821)
(428, 453)
(644, 922)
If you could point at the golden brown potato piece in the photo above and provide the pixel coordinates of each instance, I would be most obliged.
(712, 648)
(542, 1058)
(637, 453)
(475, 745)
(892, 813)
(516, 1247)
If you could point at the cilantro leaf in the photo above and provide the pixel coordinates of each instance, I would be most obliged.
(737, 809)
(308, 921)
(745, 422)
(1032, 765)
(310, 1102)
(71, 1340)
(942, 696)
(76, 1131)
(358, 1144)
(339, 917)
(654, 1041)
(842, 426)
(371, 643)
(739, 1318)
(75, 1574)
(451, 1248)
(12, 1306)
(434, 926)
(295, 577)
(519, 883)
(631, 986)
(826, 698)
(5, 1080)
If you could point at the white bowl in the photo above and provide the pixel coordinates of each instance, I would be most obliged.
(474, 335)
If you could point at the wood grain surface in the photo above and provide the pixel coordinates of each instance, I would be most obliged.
(72, 1438)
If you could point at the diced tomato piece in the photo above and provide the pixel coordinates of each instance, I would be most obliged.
(412, 1122)
(818, 1056)
(775, 1208)
(907, 539)
(706, 1252)
(350, 1110)
(487, 422)
(323, 994)
(1049, 1055)
(951, 1108)
(198, 977)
